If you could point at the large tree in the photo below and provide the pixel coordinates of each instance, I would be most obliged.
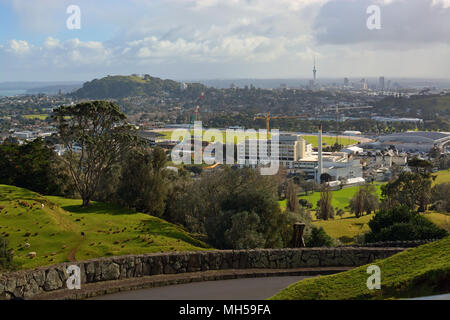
(292, 203)
(409, 189)
(148, 193)
(96, 136)
(365, 200)
(324, 208)
(32, 165)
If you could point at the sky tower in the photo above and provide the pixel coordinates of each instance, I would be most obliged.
(314, 70)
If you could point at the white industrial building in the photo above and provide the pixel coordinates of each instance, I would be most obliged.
(413, 141)
(296, 155)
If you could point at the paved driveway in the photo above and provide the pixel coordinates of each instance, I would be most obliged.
(236, 289)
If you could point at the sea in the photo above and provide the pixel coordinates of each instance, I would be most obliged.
(11, 93)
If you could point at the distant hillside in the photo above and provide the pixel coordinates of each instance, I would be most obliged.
(55, 89)
(116, 87)
(59, 229)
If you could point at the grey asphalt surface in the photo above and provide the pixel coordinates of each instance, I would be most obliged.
(235, 289)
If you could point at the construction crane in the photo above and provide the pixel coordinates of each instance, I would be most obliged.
(197, 109)
(268, 117)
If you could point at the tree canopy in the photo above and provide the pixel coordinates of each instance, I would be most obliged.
(96, 136)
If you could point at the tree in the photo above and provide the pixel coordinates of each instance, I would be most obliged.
(420, 166)
(143, 184)
(34, 166)
(365, 200)
(401, 223)
(318, 238)
(292, 203)
(410, 189)
(243, 233)
(96, 136)
(324, 209)
(440, 197)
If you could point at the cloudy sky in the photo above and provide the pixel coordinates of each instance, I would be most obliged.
(211, 39)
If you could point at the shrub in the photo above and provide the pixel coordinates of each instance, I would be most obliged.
(319, 238)
(400, 224)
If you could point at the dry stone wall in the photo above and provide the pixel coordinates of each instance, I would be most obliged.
(29, 283)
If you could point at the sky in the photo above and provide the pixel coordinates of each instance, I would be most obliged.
(223, 39)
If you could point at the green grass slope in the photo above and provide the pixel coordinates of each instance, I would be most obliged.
(442, 177)
(63, 231)
(416, 272)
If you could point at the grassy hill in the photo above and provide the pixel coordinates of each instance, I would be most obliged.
(116, 87)
(62, 231)
(416, 272)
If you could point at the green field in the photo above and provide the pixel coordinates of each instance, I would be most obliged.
(54, 232)
(36, 116)
(310, 139)
(442, 176)
(416, 272)
(340, 199)
(348, 227)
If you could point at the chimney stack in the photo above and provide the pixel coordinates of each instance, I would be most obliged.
(320, 165)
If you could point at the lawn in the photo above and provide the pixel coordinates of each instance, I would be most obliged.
(442, 176)
(240, 137)
(62, 230)
(340, 199)
(416, 272)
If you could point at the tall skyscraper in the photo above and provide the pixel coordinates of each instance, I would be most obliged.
(364, 84)
(381, 83)
(346, 82)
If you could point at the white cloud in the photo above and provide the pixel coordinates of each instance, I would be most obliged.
(20, 47)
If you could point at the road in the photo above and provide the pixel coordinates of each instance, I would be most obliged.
(236, 289)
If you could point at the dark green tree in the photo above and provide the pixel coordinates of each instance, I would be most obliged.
(410, 189)
(401, 223)
(34, 166)
(318, 238)
(143, 184)
(96, 136)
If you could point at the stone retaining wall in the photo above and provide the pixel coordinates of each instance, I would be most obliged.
(29, 283)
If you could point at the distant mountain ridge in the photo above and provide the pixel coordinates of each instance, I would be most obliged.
(116, 87)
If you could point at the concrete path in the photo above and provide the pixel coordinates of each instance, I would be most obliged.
(236, 289)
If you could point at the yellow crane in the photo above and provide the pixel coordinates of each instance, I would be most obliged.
(268, 117)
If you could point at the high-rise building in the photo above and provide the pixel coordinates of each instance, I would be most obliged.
(346, 82)
(381, 83)
(364, 84)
